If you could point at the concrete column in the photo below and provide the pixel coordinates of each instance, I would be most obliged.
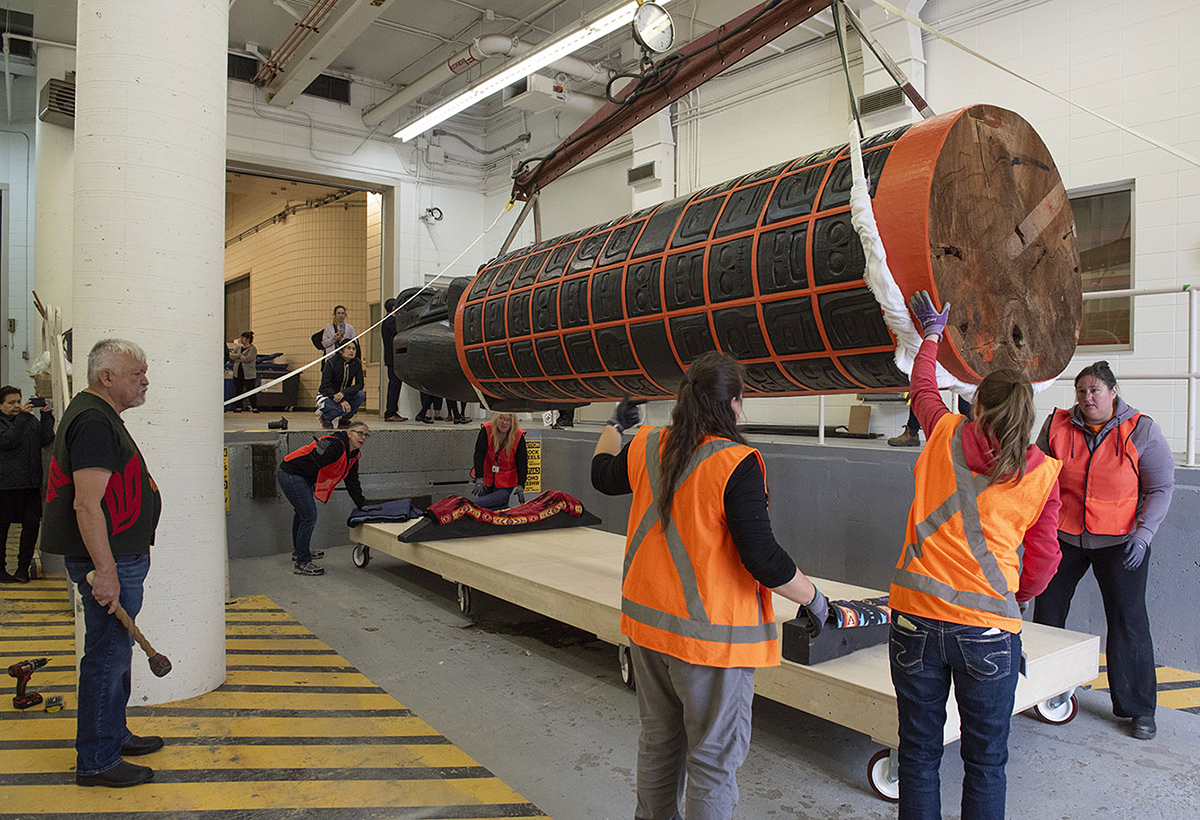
(654, 142)
(54, 150)
(149, 266)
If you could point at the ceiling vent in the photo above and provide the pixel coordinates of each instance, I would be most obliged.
(880, 100)
(534, 93)
(56, 103)
(640, 175)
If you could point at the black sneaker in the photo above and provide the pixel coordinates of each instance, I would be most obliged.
(137, 746)
(308, 569)
(5, 578)
(121, 776)
(1143, 727)
(316, 554)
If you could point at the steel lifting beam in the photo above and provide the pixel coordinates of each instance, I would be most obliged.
(697, 63)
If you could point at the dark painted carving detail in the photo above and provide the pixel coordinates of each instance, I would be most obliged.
(557, 262)
(794, 195)
(739, 333)
(606, 295)
(525, 360)
(852, 318)
(697, 222)
(493, 320)
(545, 309)
(581, 350)
(783, 259)
(620, 243)
(643, 294)
(875, 369)
(550, 354)
(504, 280)
(837, 251)
(684, 284)
(529, 270)
(605, 387)
(818, 375)
(518, 314)
(654, 351)
(692, 337)
(572, 302)
(483, 281)
(766, 377)
(477, 361)
(792, 326)
(729, 274)
(743, 209)
(472, 324)
(502, 363)
(659, 229)
(766, 173)
(639, 386)
(585, 255)
(615, 351)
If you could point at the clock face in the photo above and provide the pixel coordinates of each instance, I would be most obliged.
(653, 28)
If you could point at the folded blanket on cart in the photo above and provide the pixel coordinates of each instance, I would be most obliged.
(401, 509)
(867, 612)
(458, 517)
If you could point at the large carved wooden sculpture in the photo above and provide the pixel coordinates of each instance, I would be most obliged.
(767, 267)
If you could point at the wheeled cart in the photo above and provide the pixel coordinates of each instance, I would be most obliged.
(574, 576)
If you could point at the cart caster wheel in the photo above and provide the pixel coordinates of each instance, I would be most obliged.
(884, 775)
(625, 657)
(464, 599)
(361, 556)
(1056, 711)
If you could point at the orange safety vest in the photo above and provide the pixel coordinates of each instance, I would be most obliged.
(500, 469)
(329, 476)
(685, 592)
(960, 561)
(1099, 488)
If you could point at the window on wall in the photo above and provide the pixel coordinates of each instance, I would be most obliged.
(372, 341)
(1104, 223)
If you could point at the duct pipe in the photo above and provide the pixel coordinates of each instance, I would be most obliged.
(149, 226)
(489, 45)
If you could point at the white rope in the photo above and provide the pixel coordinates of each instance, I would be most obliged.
(1170, 149)
(322, 358)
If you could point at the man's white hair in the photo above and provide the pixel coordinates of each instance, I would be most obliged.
(106, 355)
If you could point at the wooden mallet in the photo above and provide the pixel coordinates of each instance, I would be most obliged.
(160, 665)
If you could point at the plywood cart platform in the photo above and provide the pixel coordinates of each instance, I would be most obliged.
(574, 576)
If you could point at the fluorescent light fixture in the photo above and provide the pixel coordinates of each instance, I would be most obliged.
(605, 23)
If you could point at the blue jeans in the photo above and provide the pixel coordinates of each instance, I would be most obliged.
(104, 672)
(332, 410)
(925, 656)
(494, 498)
(299, 493)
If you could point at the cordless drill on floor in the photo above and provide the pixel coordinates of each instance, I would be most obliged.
(23, 671)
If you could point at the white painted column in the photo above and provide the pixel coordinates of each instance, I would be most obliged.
(149, 266)
(902, 41)
(54, 150)
(654, 142)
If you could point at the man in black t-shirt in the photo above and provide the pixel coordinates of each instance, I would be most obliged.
(102, 508)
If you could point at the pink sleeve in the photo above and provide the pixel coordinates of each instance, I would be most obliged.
(1042, 553)
(923, 394)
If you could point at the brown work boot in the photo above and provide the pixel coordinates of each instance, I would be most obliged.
(907, 438)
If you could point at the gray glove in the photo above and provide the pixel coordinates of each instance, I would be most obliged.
(518, 495)
(1135, 553)
(478, 489)
(814, 613)
(1023, 606)
(626, 414)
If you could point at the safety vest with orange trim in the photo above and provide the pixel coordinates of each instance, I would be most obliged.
(684, 590)
(960, 561)
(330, 475)
(500, 469)
(1099, 488)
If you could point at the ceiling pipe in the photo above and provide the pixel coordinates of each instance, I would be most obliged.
(489, 45)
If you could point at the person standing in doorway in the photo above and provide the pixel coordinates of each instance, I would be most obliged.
(102, 508)
(22, 438)
(337, 331)
(387, 333)
(700, 565)
(245, 371)
(1117, 482)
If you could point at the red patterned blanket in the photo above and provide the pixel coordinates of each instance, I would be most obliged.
(540, 508)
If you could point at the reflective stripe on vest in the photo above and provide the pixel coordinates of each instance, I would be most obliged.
(965, 500)
(697, 624)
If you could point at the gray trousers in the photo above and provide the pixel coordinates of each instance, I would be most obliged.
(695, 736)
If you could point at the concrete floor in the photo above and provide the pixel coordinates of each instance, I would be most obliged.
(542, 706)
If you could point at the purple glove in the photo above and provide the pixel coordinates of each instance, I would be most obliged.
(927, 316)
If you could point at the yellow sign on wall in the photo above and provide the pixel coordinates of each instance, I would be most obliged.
(533, 476)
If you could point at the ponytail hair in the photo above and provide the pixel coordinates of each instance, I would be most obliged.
(1005, 417)
(702, 408)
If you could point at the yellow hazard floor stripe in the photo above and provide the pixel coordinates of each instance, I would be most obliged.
(1177, 688)
(296, 731)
